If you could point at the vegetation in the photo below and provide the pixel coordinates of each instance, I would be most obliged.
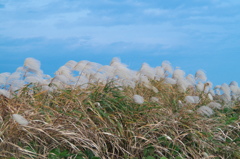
(90, 111)
(103, 121)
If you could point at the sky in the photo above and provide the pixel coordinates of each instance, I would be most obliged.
(190, 34)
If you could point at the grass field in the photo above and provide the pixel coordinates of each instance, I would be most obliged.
(108, 120)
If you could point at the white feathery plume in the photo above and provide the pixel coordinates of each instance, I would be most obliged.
(183, 84)
(192, 99)
(212, 92)
(13, 76)
(121, 70)
(178, 74)
(206, 89)
(205, 110)
(62, 79)
(33, 79)
(200, 86)
(92, 68)
(32, 65)
(191, 79)
(166, 65)
(21, 69)
(200, 75)
(57, 84)
(82, 81)
(147, 85)
(108, 71)
(64, 70)
(80, 66)
(235, 97)
(143, 79)
(217, 87)
(5, 93)
(3, 78)
(218, 92)
(214, 105)
(86, 67)
(196, 99)
(159, 73)
(226, 97)
(225, 88)
(189, 99)
(155, 90)
(67, 72)
(116, 62)
(17, 84)
(170, 81)
(71, 64)
(20, 119)
(233, 83)
(47, 88)
(234, 89)
(97, 77)
(147, 71)
(128, 83)
(138, 99)
(210, 96)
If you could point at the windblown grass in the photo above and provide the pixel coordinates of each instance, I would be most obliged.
(103, 121)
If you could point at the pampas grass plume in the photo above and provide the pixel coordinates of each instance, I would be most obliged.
(147, 70)
(234, 83)
(210, 96)
(192, 99)
(200, 86)
(32, 64)
(205, 110)
(170, 81)
(225, 88)
(3, 78)
(200, 75)
(214, 105)
(5, 93)
(226, 97)
(138, 99)
(71, 64)
(178, 74)
(166, 65)
(20, 119)
(159, 73)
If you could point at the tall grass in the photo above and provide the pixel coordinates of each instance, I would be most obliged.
(101, 118)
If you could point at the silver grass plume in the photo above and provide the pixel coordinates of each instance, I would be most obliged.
(200, 75)
(147, 71)
(20, 119)
(166, 65)
(205, 110)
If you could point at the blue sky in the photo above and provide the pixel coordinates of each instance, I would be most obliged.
(191, 34)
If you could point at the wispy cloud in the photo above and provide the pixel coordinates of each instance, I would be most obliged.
(107, 22)
(156, 11)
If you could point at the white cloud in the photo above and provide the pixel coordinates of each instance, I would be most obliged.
(113, 23)
(156, 11)
(163, 34)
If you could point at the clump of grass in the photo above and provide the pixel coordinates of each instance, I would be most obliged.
(103, 121)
